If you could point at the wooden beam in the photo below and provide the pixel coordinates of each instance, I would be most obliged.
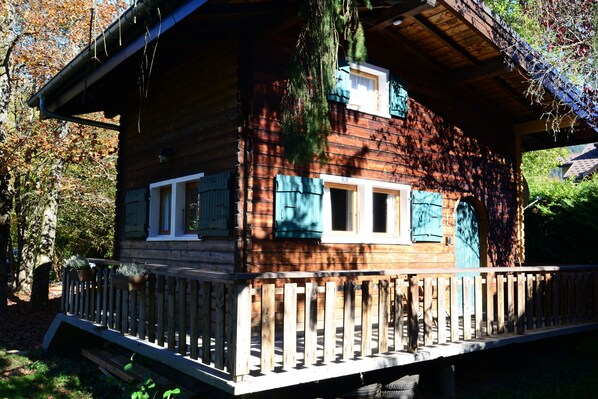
(408, 8)
(479, 72)
(448, 42)
(543, 125)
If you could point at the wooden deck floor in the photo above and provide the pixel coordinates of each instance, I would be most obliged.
(280, 378)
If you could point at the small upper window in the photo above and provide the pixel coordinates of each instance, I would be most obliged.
(369, 89)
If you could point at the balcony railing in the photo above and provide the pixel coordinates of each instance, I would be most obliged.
(248, 324)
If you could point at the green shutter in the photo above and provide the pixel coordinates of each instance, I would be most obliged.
(426, 216)
(398, 97)
(342, 90)
(214, 205)
(298, 207)
(136, 213)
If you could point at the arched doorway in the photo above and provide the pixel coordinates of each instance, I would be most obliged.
(468, 248)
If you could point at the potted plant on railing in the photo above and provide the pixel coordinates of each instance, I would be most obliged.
(130, 276)
(79, 268)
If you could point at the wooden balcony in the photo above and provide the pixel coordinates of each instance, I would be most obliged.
(233, 330)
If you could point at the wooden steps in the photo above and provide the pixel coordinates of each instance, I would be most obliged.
(112, 361)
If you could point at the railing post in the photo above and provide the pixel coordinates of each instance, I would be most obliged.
(241, 331)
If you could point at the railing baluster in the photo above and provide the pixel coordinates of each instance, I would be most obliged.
(241, 345)
(289, 339)
(479, 308)
(170, 312)
(529, 301)
(398, 315)
(556, 299)
(454, 283)
(413, 316)
(133, 312)
(441, 310)
(182, 315)
(206, 323)
(219, 326)
(348, 320)
(366, 319)
(329, 322)
(500, 303)
(510, 303)
(383, 310)
(428, 317)
(489, 304)
(311, 324)
(539, 299)
(466, 308)
(160, 298)
(105, 286)
(520, 303)
(268, 327)
(151, 308)
(193, 319)
(142, 304)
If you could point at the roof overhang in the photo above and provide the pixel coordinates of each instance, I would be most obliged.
(477, 65)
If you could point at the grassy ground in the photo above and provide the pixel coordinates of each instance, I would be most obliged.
(35, 375)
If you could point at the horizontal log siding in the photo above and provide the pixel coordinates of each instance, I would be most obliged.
(194, 109)
(423, 151)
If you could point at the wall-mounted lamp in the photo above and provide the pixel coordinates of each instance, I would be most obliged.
(398, 21)
(164, 155)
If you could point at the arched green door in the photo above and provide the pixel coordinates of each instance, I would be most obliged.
(467, 245)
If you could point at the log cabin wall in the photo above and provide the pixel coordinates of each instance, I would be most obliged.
(192, 110)
(425, 151)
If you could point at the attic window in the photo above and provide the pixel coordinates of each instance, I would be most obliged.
(369, 89)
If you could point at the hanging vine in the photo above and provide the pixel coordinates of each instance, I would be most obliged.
(305, 113)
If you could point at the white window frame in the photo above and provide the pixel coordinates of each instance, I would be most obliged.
(364, 233)
(177, 221)
(383, 107)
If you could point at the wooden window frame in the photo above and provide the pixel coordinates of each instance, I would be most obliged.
(163, 217)
(178, 229)
(382, 77)
(364, 223)
(188, 187)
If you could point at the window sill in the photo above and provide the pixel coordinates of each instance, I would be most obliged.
(369, 111)
(340, 239)
(187, 237)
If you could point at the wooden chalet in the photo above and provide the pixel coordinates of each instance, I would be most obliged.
(258, 265)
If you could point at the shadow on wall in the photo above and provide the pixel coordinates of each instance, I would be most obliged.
(424, 150)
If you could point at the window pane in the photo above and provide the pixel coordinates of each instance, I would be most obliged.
(342, 209)
(380, 212)
(165, 206)
(191, 207)
(364, 90)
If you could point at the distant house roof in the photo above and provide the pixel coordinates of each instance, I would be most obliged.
(582, 164)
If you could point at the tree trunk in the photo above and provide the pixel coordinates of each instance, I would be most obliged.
(8, 39)
(47, 238)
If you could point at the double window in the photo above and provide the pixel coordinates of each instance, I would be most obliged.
(174, 208)
(364, 211)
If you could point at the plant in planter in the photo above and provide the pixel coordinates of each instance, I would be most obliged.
(79, 268)
(130, 276)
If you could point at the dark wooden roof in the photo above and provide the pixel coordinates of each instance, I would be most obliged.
(455, 55)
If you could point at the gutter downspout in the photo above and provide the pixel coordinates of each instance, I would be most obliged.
(75, 119)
